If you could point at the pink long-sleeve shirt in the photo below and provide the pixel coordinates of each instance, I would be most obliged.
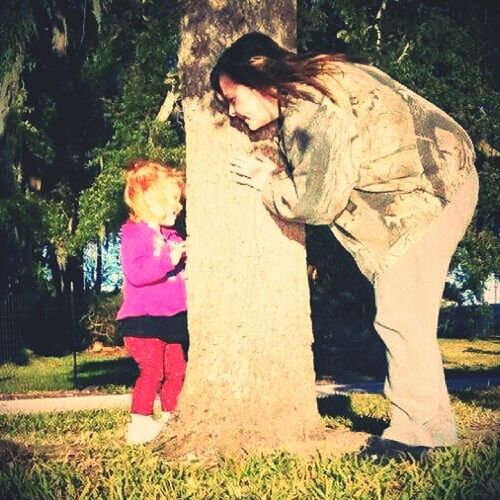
(153, 286)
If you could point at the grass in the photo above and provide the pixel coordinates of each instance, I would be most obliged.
(470, 355)
(108, 373)
(82, 455)
(112, 374)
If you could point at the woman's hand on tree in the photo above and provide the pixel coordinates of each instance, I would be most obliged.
(252, 171)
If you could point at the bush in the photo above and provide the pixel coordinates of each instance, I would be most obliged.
(100, 322)
(466, 322)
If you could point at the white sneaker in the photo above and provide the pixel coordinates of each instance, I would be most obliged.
(143, 429)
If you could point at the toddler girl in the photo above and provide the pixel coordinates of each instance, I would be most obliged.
(152, 317)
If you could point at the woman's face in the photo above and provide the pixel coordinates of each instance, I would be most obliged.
(248, 104)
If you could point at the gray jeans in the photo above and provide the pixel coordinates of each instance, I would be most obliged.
(408, 297)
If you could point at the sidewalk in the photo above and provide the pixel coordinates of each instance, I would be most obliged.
(109, 401)
(454, 384)
(70, 403)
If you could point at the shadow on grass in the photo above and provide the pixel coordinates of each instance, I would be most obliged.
(11, 452)
(120, 371)
(482, 351)
(17, 357)
(485, 398)
(474, 372)
(340, 406)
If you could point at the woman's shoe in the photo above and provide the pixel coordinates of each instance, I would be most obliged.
(378, 448)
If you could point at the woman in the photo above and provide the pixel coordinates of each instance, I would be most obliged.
(392, 176)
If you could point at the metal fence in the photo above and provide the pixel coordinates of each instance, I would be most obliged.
(15, 312)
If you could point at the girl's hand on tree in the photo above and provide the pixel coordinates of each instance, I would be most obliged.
(158, 244)
(177, 252)
(252, 171)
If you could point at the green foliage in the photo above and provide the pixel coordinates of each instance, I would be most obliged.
(57, 220)
(40, 144)
(78, 147)
(11, 132)
(17, 26)
(23, 225)
(466, 322)
(146, 44)
(37, 142)
(20, 215)
(488, 211)
(477, 257)
(100, 205)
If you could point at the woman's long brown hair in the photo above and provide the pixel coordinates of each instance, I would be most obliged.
(257, 61)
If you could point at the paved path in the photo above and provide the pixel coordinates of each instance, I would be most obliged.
(107, 401)
(455, 384)
(70, 403)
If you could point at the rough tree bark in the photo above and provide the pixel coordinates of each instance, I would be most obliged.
(250, 379)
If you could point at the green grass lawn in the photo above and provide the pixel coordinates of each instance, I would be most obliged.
(112, 373)
(470, 355)
(82, 455)
(107, 373)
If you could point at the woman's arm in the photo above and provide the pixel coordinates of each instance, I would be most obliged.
(324, 154)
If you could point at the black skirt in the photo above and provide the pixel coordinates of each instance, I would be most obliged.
(171, 329)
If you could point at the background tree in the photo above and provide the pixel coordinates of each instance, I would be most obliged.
(70, 121)
(16, 29)
(250, 374)
(43, 149)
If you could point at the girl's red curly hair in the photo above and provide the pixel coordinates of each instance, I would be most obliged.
(148, 184)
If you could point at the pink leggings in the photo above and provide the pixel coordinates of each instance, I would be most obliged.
(161, 367)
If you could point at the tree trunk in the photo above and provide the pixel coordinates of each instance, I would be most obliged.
(98, 267)
(9, 85)
(250, 379)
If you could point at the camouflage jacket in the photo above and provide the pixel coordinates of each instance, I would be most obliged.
(377, 164)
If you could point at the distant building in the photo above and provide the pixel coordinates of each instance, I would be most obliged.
(492, 291)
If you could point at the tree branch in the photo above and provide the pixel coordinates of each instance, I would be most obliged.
(378, 19)
(168, 105)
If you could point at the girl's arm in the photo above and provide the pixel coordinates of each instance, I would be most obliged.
(140, 266)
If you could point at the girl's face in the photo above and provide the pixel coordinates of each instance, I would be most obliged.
(164, 205)
(172, 209)
(248, 104)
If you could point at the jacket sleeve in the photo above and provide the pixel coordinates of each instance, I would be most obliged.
(139, 264)
(324, 157)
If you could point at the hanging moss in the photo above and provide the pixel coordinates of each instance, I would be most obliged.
(17, 26)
